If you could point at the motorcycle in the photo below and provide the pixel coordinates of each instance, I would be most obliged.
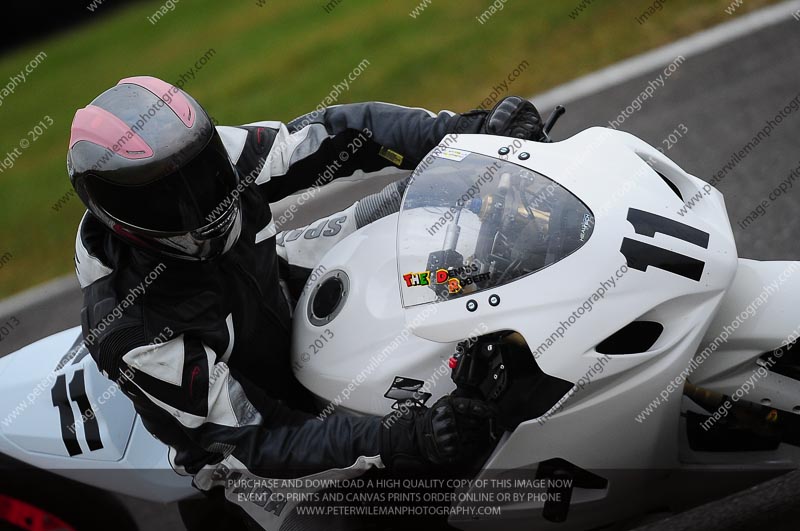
(589, 289)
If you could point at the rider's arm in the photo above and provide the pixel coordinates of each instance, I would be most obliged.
(339, 141)
(222, 412)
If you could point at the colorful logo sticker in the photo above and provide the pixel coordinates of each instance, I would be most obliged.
(454, 285)
(455, 279)
(417, 279)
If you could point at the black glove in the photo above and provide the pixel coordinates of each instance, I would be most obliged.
(453, 430)
(514, 117)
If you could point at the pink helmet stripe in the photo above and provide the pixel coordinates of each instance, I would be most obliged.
(172, 96)
(98, 126)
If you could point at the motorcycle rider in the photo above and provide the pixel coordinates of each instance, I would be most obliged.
(179, 242)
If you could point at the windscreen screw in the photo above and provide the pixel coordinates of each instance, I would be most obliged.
(472, 305)
(524, 155)
(503, 151)
(494, 300)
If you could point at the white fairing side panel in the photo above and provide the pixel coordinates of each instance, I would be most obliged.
(758, 315)
(58, 413)
(353, 360)
(32, 421)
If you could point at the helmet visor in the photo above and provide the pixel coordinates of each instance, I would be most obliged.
(191, 197)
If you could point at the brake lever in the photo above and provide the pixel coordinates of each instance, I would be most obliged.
(557, 113)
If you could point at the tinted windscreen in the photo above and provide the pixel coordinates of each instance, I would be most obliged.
(471, 222)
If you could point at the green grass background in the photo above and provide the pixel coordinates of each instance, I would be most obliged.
(280, 60)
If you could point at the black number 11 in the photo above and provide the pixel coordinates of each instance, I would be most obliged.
(77, 389)
(639, 255)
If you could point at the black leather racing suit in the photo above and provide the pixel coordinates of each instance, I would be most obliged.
(202, 349)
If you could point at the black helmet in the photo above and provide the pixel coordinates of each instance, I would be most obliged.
(147, 161)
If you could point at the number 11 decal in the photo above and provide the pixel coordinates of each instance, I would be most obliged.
(640, 255)
(69, 430)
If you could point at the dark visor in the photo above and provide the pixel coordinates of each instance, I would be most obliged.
(189, 198)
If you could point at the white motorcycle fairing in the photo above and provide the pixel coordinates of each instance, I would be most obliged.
(369, 319)
(353, 355)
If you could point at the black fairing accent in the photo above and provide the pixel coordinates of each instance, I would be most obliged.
(635, 338)
(671, 185)
(787, 363)
(556, 508)
(726, 436)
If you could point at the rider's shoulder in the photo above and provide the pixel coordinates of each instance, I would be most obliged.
(92, 261)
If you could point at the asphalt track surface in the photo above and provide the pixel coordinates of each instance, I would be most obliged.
(721, 99)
